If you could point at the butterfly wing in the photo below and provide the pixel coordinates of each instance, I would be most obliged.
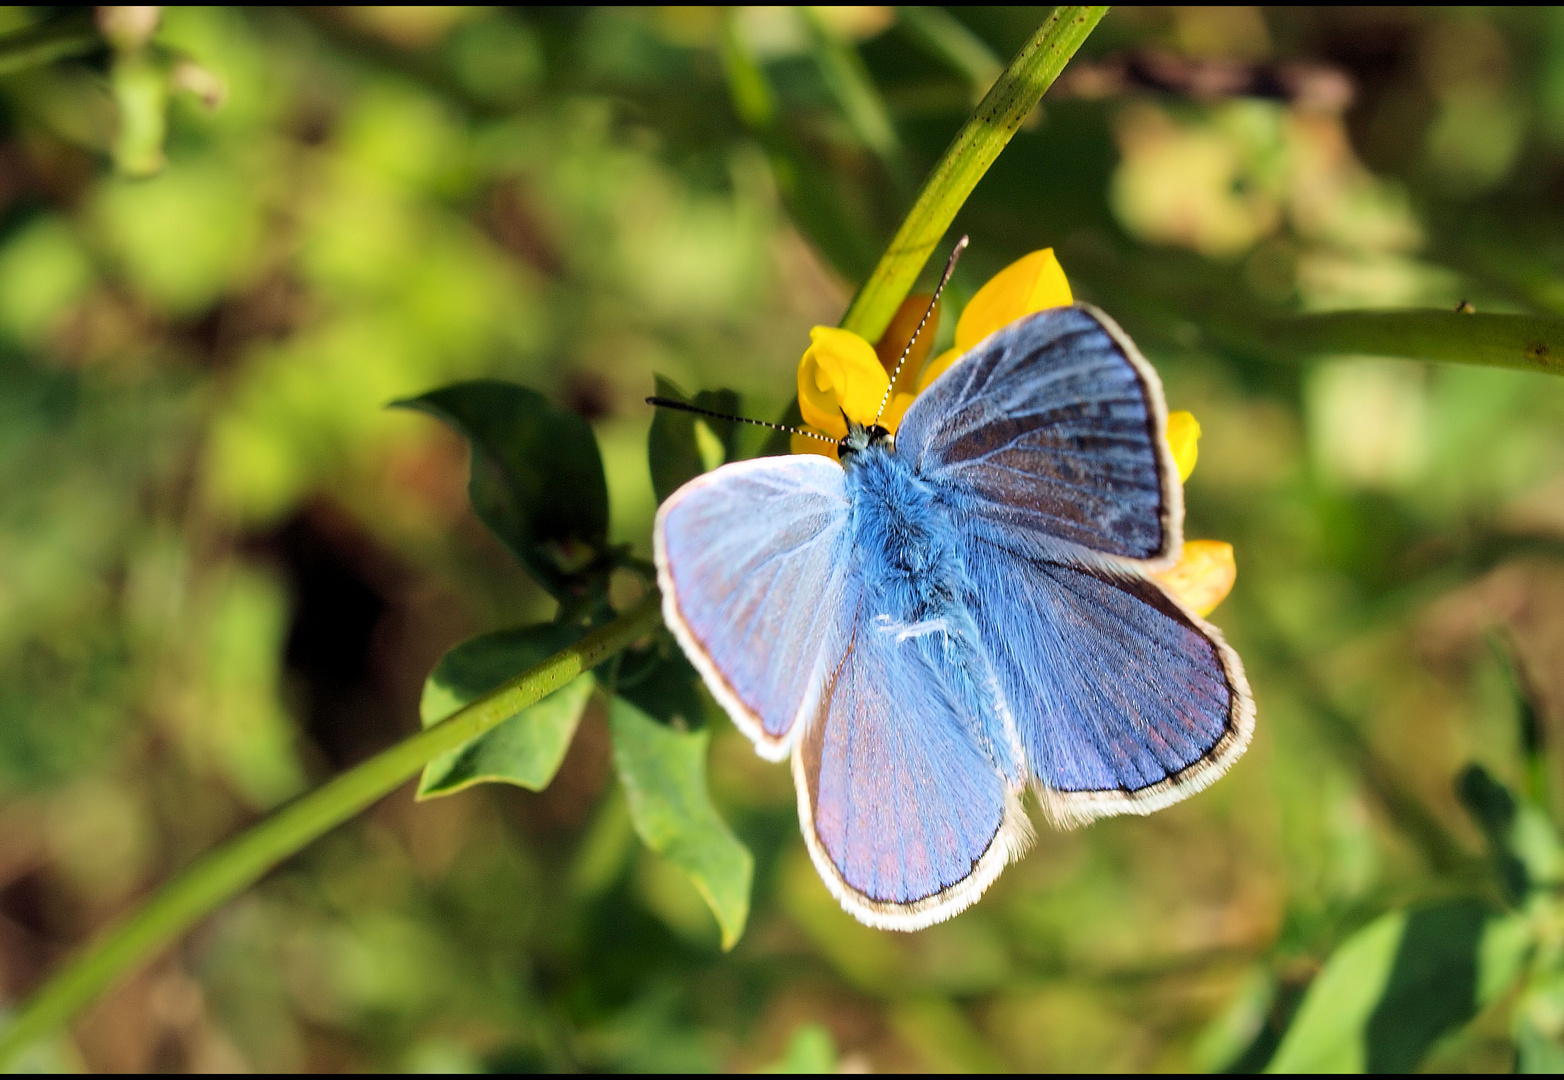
(906, 818)
(751, 559)
(1125, 701)
(1055, 426)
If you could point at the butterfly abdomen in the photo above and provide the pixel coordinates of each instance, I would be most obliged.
(908, 554)
(904, 542)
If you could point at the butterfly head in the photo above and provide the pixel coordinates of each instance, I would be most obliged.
(860, 438)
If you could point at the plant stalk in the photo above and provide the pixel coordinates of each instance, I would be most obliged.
(1523, 342)
(240, 862)
(997, 118)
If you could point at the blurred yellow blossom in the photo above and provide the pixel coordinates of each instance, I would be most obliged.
(840, 373)
(1184, 439)
(1203, 576)
(1033, 282)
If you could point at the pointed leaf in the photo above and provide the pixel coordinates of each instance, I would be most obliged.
(1494, 809)
(537, 477)
(526, 749)
(1397, 985)
(664, 777)
(674, 446)
(1523, 842)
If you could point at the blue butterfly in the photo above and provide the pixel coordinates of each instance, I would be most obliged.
(958, 611)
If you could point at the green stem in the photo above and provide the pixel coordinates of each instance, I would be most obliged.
(964, 162)
(243, 860)
(1525, 342)
(48, 42)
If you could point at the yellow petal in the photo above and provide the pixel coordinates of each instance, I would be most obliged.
(894, 340)
(839, 372)
(1184, 439)
(803, 444)
(1203, 576)
(936, 368)
(1031, 283)
(895, 409)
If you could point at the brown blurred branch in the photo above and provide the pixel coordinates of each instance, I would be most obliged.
(1297, 82)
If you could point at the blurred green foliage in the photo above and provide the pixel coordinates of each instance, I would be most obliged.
(226, 566)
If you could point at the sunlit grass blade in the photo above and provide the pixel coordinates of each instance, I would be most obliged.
(966, 159)
(849, 82)
(949, 39)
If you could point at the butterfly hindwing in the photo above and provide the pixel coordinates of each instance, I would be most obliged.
(1124, 701)
(1055, 427)
(905, 816)
(751, 559)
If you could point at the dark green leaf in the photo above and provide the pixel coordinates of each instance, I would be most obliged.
(1494, 810)
(1524, 844)
(527, 748)
(677, 450)
(781, 442)
(537, 477)
(660, 682)
(664, 777)
(1399, 984)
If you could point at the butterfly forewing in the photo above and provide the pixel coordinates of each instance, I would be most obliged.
(751, 560)
(1054, 426)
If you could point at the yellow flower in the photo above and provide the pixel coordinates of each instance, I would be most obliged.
(843, 373)
(837, 374)
(1205, 572)
(1034, 282)
(1204, 575)
(840, 373)
(1184, 438)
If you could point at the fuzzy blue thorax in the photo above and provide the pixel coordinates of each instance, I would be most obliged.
(906, 547)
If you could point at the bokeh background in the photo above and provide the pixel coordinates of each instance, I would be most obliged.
(226, 566)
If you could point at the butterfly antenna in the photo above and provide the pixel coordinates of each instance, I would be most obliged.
(684, 406)
(950, 268)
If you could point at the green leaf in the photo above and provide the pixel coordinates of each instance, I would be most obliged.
(660, 682)
(664, 777)
(46, 42)
(950, 40)
(675, 447)
(1535, 1052)
(1399, 984)
(810, 1050)
(537, 477)
(1494, 810)
(525, 749)
(1524, 844)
